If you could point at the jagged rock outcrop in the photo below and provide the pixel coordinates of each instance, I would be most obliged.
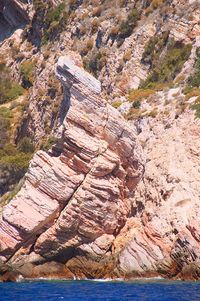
(13, 14)
(80, 192)
(79, 213)
(164, 234)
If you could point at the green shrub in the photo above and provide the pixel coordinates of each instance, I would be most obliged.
(13, 165)
(54, 14)
(18, 162)
(26, 146)
(50, 21)
(9, 90)
(136, 104)
(27, 72)
(194, 79)
(196, 107)
(139, 94)
(47, 145)
(154, 48)
(9, 149)
(95, 62)
(127, 26)
(169, 65)
(5, 115)
(15, 91)
(12, 169)
(116, 104)
(4, 131)
(14, 160)
(54, 20)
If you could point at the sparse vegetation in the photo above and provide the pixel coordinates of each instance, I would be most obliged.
(26, 146)
(5, 116)
(27, 72)
(139, 94)
(54, 21)
(9, 90)
(196, 107)
(154, 48)
(126, 27)
(193, 92)
(165, 65)
(127, 55)
(116, 104)
(95, 62)
(194, 79)
(14, 160)
(133, 113)
(47, 144)
(9, 196)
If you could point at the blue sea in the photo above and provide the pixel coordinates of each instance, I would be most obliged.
(96, 290)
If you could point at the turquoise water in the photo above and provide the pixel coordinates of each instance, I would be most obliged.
(106, 291)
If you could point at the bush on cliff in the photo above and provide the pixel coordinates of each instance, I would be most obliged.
(9, 90)
(48, 22)
(139, 94)
(154, 48)
(26, 146)
(4, 126)
(14, 160)
(12, 168)
(196, 107)
(48, 143)
(194, 79)
(94, 62)
(54, 20)
(127, 26)
(168, 63)
(27, 72)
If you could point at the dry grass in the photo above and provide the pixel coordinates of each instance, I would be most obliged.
(193, 93)
(138, 95)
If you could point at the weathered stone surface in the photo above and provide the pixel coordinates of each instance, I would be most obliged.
(15, 12)
(164, 237)
(76, 215)
(79, 192)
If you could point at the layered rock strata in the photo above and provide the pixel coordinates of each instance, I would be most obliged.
(13, 14)
(163, 234)
(78, 193)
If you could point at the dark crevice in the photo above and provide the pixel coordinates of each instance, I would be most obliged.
(10, 19)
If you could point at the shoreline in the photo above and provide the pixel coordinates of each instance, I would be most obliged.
(21, 279)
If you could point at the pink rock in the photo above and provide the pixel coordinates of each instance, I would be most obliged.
(82, 194)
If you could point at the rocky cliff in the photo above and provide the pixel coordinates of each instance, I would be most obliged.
(112, 190)
(13, 14)
(78, 194)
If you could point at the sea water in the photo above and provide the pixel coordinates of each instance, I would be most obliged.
(97, 290)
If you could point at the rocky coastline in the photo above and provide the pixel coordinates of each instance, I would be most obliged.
(111, 189)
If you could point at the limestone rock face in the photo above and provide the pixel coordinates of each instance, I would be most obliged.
(15, 12)
(163, 236)
(80, 191)
(80, 212)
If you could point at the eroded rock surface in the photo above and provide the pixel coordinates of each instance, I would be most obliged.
(163, 236)
(79, 213)
(13, 14)
(80, 191)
